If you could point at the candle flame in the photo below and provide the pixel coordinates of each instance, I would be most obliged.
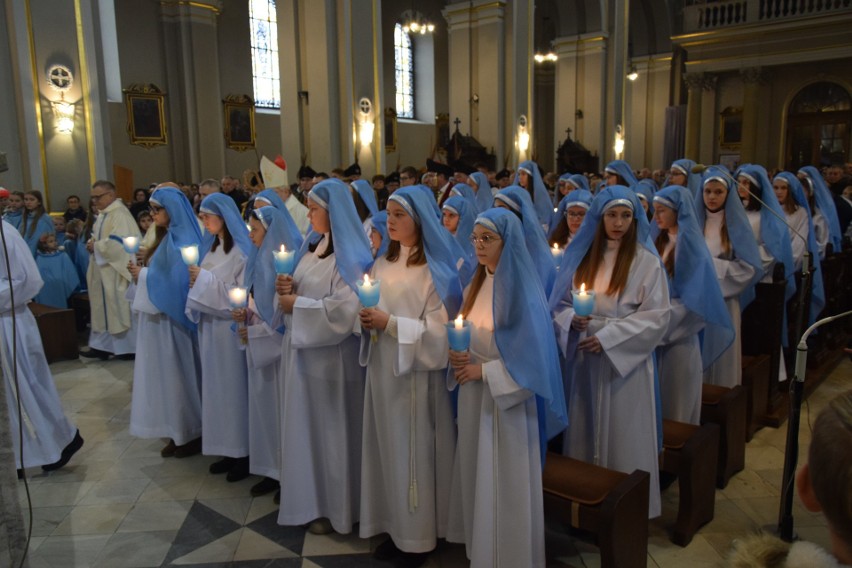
(366, 280)
(555, 246)
(283, 249)
(583, 288)
(459, 323)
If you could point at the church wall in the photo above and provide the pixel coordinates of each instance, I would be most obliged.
(9, 139)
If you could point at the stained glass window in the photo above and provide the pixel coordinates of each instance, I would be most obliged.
(404, 66)
(264, 53)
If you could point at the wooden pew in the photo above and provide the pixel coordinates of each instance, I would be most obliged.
(58, 332)
(727, 409)
(611, 505)
(690, 452)
(757, 382)
(82, 313)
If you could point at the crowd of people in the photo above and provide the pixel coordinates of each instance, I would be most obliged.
(436, 328)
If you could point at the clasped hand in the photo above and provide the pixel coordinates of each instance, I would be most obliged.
(463, 369)
(373, 318)
(194, 271)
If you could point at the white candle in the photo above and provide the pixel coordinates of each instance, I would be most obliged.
(237, 295)
(459, 323)
(190, 254)
(131, 242)
(582, 287)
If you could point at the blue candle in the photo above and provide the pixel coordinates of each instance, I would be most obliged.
(189, 255)
(284, 260)
(368, 292)
(131, 244)
(557, 254)
(458, 334)
(584, 302)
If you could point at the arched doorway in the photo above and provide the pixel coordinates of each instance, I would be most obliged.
(819, 123)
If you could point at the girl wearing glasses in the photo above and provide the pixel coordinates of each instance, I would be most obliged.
(166, 400)
(569, 217)
(409, 436)
(609, 355)
(510, 402)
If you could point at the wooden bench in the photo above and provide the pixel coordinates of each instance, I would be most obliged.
(82, 313)
(611, 505)
(727, 409)
(757, 382)
(690, 452)
(58, 332)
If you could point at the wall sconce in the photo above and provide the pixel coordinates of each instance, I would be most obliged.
(60, 79)
(366, 126)
(523, 134)
(633, 74)
(619, 142)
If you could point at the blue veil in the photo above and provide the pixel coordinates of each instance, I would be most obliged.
(168, 278)
(825, 204)
(818, 292)
(427, 191)
(543, 204)
(694, 280)
(484, 197)
(368, 196)
(440, 248)
(579, 181)
(522, 326)
(579, 198)
(518, 200)
(693, 181)
(379, 222)
(465, 191)
(623, 169)
(271, 196)
(351, 245)
(260, 267)
(743, 243)
(225, 207)
(466, 210)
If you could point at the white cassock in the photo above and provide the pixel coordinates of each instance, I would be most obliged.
(323, 399)
(679, 362)
(224, 375)
(263, 358)
(734, 276)
(46, 429)
(496, 505)
(820, 232)
(611, 404)
(166, 400)
(409, 435)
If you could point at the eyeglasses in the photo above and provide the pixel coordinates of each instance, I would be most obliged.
(153, 209)
(484, 240)
(96, 197)
(404, 178)
(579, 215)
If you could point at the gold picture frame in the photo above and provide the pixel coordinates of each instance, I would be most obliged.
(731, 128)
(390, 129)
(239, 122)
(146, 115)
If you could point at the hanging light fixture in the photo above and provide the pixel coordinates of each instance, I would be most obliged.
(545, 57)
(413, 22)
(633, 74)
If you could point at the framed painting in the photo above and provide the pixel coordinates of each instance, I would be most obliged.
(731, 128)
(146, 116)
(390, 130)
(239, 122)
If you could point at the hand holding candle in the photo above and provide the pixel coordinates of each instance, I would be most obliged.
(284, 260)
(190, 255)
(238, 297)
(368, 294)
(458, 334)
(584, 301)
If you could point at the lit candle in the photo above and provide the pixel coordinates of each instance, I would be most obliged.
(284, 260)
(189, 255)
(368, 294)
(584, 301)
(557, 254)
(131, 247)
(238, 296)
(458, 334)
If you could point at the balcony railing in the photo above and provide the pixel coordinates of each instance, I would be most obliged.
(715, 15)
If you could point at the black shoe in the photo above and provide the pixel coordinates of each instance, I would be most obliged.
(266, 485)
(239, 471)
(188, 449)
(224, 465)
(169, 450)
(387, 551)
(412, 559)
(126, 357)
(93, 353)
(277, 498)
(67, 452)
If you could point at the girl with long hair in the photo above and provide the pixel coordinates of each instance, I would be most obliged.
(34, 221)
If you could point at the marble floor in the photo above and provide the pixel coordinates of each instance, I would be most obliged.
(119, 504)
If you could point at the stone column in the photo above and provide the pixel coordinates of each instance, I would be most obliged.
(695, 84)
(520, 80)
(193, 94)
(753, 79)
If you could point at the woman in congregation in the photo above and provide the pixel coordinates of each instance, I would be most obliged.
(528, 177)
(569, 217)
(619, 172)
(262, 332)
(484, 193)
(697, 304)
(613, 409)
(736, 258)
(409, 433)
(322, 397)
(515, 199)
(510, 402)
(35, 221)
(223, 253)
(379, 234)
(681, 174)
(166, 401)
(826, 222)
(458, 217)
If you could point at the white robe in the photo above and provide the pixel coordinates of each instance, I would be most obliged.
(224, 374)
(263, 358)
(323, 399)
(734, 276)
(166, 400)
(611, 405)
(797, 224)
(46, 428)
(409, 436)
(821, 232)
(496, 505)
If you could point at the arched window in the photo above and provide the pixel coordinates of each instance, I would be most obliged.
(404, 67)
(819, 125)
(264, 53)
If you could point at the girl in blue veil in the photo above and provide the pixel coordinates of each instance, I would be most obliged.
(379, 234)
(732, 245)
(166, 400)
(465, 191)
(459, 215)
(826, 222)
(697, 304)
(409, 434)
(610, 380)
(619, 172)
(569, 217)
(484, 193)
(681, 174)
(510, 398)
(322, 384)
(528, 177)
